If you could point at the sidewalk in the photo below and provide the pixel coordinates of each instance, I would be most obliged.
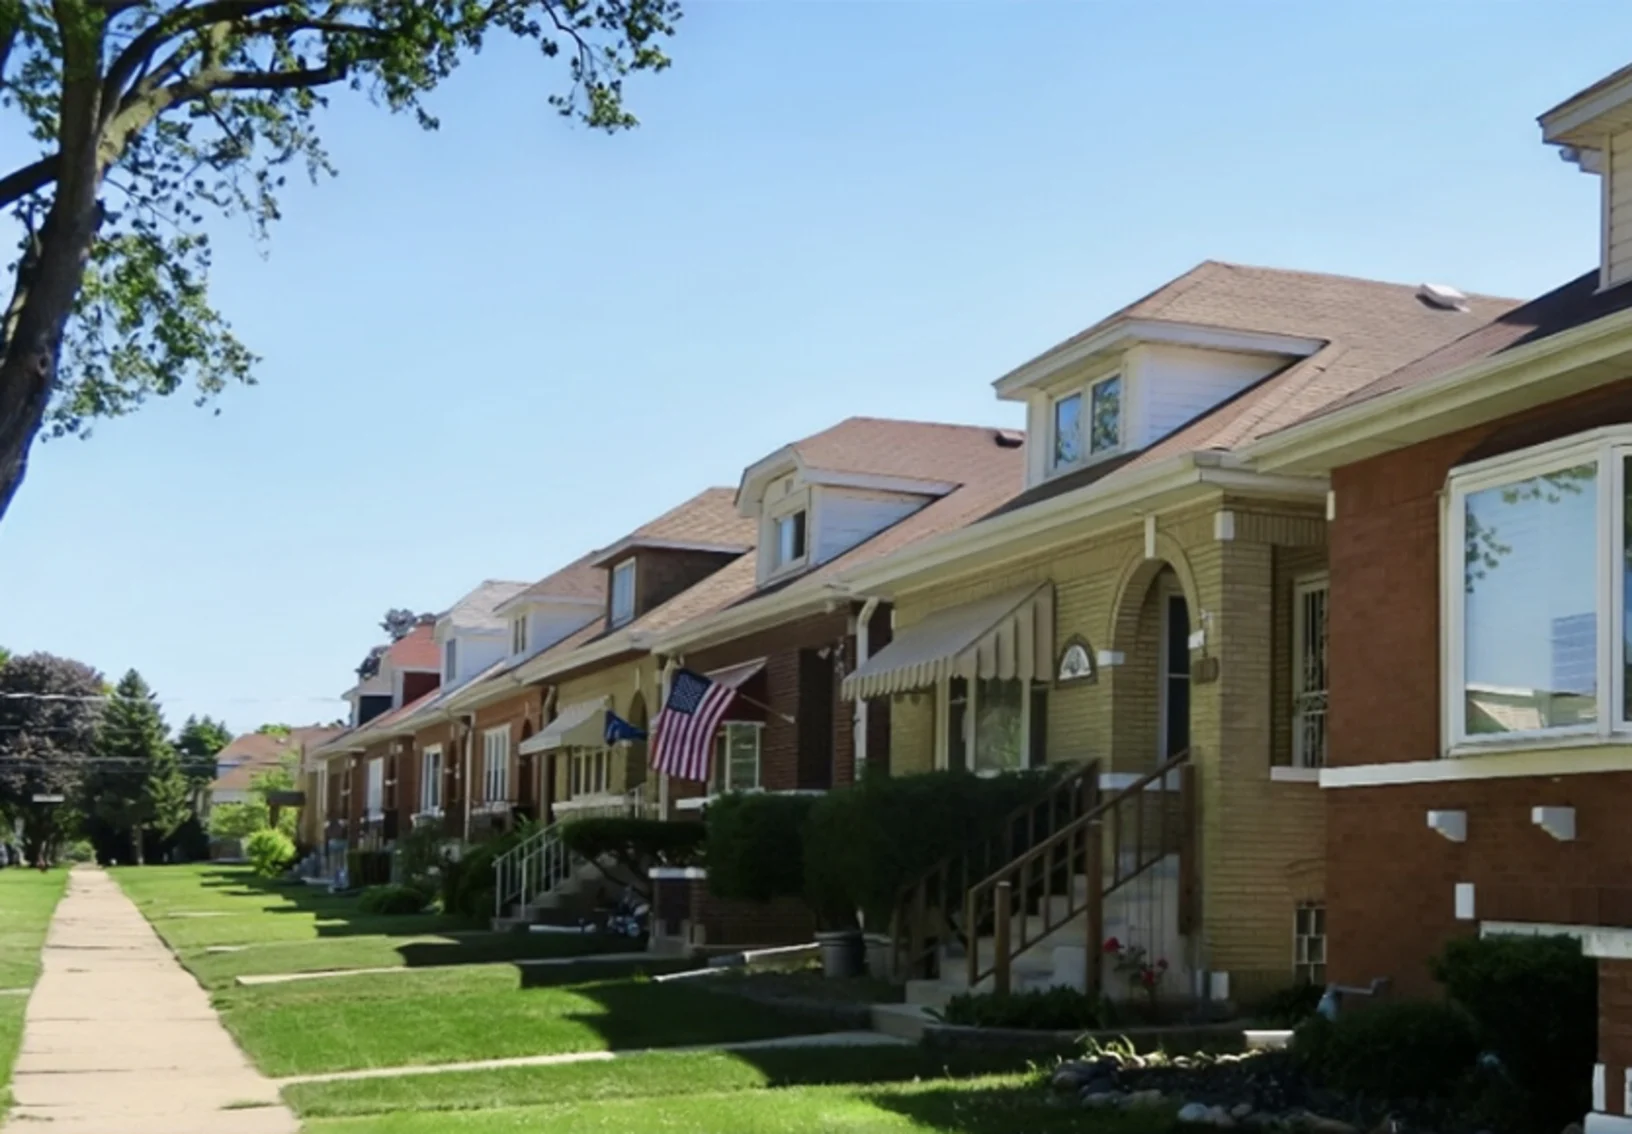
(121, 1040)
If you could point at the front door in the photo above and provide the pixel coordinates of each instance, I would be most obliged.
(1173, 729)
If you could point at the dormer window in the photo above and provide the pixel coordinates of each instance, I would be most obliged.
(450, 659)
(790, 539)
(518, 634)
(623, 592)
(1073, 439)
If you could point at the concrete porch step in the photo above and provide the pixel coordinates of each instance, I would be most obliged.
(903, 1021)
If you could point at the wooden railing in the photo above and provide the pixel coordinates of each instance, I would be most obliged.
(1033, 896)
(929, 911)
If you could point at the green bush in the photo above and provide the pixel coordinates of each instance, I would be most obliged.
(80, 850)
(1535, 1001)
(1289, 1007)
(865, 842)
(755, 846)
(421, 857)
(270, 852)
(393, 900)
(634, 846)
(468, 884)
(1054, 1009)
(1412, 1049)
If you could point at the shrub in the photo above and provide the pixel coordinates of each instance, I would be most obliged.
(1054, 1009)
(1412, 1049)
(1289, 1007)
(393, 900)
(865, 842)
(368, 868)
(80, 850)
(1535, 1001)
(270, 852)
(421, 858)
(634, 846)
(755, 846)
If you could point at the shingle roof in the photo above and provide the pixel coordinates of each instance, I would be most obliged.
(415, 649)
(476, 610)
(578, 580)
(1573, 305)
(914, 450)
(249, 755)
(709, 519)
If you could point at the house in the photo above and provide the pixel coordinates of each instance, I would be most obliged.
(1480, 742)
(849, 494)
(246, 758)
(1151, 606)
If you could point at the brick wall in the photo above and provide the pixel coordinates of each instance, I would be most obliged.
(661, 574)
(1391, 880)
(721, 922)
(633, 688)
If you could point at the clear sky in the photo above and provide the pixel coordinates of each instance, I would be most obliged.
(491, 348)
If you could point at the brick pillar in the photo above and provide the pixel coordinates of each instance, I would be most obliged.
(1614, 1038)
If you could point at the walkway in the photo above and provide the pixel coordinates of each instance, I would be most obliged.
(121, 1040)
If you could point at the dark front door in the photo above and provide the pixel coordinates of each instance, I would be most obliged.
(1175, 690)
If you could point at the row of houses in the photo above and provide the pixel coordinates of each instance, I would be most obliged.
(1354, 554)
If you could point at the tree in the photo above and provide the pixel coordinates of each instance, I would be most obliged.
(49, 708)
(5, 656)
(240, 820)
(198, 742)
(150, 114)
(136, 783)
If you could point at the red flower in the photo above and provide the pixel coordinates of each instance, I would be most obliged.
(1162, 964)
(1148, 978)
(1112, 945)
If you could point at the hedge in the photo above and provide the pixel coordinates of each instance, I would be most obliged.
(755, 846)
(634, 846)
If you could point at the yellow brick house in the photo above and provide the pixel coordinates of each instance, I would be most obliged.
(1149, 606)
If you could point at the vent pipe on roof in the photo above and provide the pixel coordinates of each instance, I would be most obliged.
(1009, 438)
(1442, 296)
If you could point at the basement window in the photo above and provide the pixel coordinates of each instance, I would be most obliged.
(1309, 944)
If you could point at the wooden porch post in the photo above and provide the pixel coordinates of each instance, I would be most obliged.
(1002, 895)
(1093, 867)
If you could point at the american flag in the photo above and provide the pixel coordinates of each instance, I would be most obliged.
(685, 728)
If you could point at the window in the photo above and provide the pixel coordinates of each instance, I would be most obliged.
(1002, 727)
(736, 756)
(374, 788)
(1067, 430)
(518, 634)
(1175, 690)
(496, 764)
(997, 725)
(430, 780)
(1309, 674)
(1105, 415)
(623, 592)
(1309, 944)
(591, 771)
(1536, 586)
(790, 538)
(450, 660)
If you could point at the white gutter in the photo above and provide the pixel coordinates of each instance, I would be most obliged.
(1405, 416)
(863, 652)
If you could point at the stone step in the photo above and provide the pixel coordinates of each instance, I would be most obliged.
(903, 1021)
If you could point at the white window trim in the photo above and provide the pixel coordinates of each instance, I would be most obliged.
(518, 630)
(1086, 455)
(943, 725)
(495, 775)
(426, 807)
(627, 566)
(722, 737)
(1606, 447)
(796, 500)
(450, 660)
(1302, 586)
(374, 788)
(585, 759)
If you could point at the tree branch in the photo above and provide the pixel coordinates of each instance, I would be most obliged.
(19, 183)
(176, 22)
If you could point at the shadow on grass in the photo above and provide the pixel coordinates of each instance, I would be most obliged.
(1005, 1107)
(337, 915)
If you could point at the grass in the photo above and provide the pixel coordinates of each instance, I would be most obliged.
(478, 1012)
(27, 900)
(988, 1105)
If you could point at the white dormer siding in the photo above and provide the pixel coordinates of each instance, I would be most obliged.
(1161, 388)
(1617, 209)
(846, 517)
(1593, 129)
(547, 624)
(836, 518)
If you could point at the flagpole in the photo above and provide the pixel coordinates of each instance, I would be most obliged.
(762, 705)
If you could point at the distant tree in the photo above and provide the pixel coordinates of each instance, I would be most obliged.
(198, 743)
(241, 820)
(274, 730)
(49, 709)
(5, 656)
(136, 783)
(399, 622)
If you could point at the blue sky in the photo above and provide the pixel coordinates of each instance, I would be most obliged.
(490, 348)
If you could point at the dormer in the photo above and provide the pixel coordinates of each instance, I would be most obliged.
(537, 620)
(1594, 130)
(1126, 383)
(807, 514)
(472, 635)
(394, 674)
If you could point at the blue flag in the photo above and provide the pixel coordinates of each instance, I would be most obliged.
(619, 729)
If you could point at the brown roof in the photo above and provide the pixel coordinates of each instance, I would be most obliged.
(1573, 305)
(253, 753)
(580, 579)
(913, 450)
(709, 519)
(416, 649)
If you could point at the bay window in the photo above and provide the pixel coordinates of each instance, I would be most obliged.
(1536, 554)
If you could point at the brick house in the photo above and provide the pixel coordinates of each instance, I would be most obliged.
(1479, 721)
(844, 496)
(1150, 603)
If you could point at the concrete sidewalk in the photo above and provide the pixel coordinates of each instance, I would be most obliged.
(120, 1039)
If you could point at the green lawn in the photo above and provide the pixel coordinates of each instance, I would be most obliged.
(27, 899)
(478, 1012)
(990, 1105)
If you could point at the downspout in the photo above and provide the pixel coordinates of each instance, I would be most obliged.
(859, 720)
(669, 666)
(469, 722)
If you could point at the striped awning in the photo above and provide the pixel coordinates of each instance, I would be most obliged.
(1009, 635)
(581, 724)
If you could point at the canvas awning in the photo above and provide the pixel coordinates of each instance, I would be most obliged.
(1009, 635)
(581, 724)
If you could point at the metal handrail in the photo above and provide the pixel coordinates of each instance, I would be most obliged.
(532, 867)
(1044, 872)
(939, 891)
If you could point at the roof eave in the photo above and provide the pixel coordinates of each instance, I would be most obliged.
(1470, 394)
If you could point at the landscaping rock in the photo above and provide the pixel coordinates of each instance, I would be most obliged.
(1072, 1076)
(1140, 1100)
(1195, 1113)
(1101, 1100)
(1240, 1111)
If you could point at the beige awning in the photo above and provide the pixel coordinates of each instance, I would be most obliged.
(581, 724)
(1010, 635)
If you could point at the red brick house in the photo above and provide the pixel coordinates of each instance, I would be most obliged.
(1480, 692)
